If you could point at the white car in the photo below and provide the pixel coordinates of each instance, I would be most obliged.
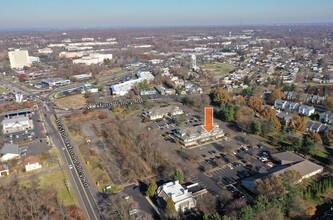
(70, 167)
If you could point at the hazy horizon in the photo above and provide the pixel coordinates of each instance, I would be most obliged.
(64, 14)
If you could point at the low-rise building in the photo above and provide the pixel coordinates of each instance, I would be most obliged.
(17, 124)
(148, 92)
(55, 82)
(160, 112)
(286, 161)
(188, 136)
(4, 170)
(9, 152)
(306, 110)
(122, 89)
(326, 117)
(32, 163)
(82, 77)
(88, 87)
(181, 197)
(316, 127)
(93, 59)
(293, 106)
(284, 117)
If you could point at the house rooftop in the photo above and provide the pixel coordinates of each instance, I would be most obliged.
(31, 160)
(10, 149)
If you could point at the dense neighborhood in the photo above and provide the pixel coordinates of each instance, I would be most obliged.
(116, 120)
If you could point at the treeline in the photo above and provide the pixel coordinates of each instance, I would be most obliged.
(318, 188)
(277, 198)
(248, 114)
(32, 202)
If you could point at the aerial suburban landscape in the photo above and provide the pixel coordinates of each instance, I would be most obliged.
(167, 119)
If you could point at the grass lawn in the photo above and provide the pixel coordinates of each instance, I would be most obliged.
(219, 68)
(56, 180)
(2, 90)
(74, 101)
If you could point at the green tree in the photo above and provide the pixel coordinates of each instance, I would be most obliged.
(256, 127)
(267, 127)
(215, 216)
(246, 213)
(308, 146)
(227, 113)
(170, 208)
(179, 175)
(151, 191)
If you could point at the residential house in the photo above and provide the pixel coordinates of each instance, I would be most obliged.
(280, 104)
(326, 117)
(284, 117)
(316, 127)
(290, 95)
(292, 106)
(32, 163)
(181, 197)
(9, 152)
(306, 110)
(315, 99)
(4, 170)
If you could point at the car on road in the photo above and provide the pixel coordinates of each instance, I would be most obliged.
(70, 166)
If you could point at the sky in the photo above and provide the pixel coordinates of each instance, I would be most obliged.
(25, 14)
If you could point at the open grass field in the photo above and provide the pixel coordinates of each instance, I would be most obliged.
(56, 180)
(2, 90)
(219, 68)
(74, 101)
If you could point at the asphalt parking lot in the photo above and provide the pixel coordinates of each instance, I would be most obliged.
(34, 149)
(229, 168)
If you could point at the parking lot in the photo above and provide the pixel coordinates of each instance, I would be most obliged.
(34, 149)
(229, 167)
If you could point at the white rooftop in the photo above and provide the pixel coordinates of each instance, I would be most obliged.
(176, 191)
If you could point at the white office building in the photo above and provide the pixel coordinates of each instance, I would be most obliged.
(181, 197)
(122, 89)
(93, 59)
(19, 59)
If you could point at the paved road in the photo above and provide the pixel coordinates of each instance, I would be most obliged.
(84, 195)
(141, 200)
